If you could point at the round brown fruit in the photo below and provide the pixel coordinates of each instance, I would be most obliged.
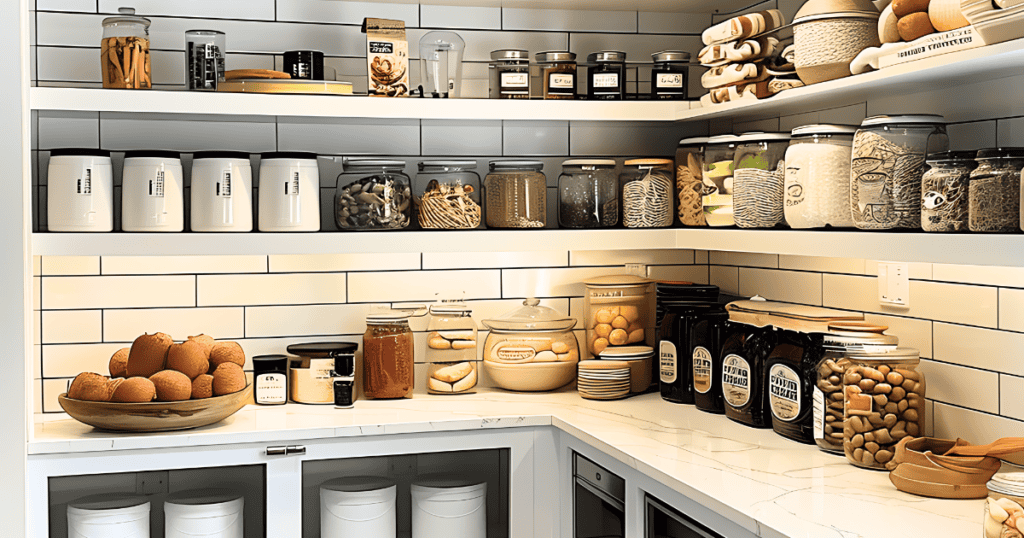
(228, 378)
(223, 352)
(134, 390)
(91, 387)
(206, 340)
(119, 363)
(202, 387)
(189, 357)
(148, 355)
(171, 386)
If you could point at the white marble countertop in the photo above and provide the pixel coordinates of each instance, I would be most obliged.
(770, 485)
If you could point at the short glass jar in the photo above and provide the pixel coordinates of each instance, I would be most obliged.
(509, 74)
(994, 192)
(558, 71)
(606, 75)
(516, 195)
(647, 193)
(588, 194)
(1004, 507)
(204, 59)
(759, 180)
(885, 402)
(124, 51)
(670, 76)
(451, 349)
(888, 162)
(270, 379)
(689, 181)
(388, 356)
(373, 194)
(718, 180)
(620, 311)
(817, 184)
(448, 195)
(944, 191)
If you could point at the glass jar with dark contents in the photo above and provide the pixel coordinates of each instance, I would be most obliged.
(510, 74)
(706, 357)
(789, 377)
(674, 351)
(388, 355)
(558, 71)
(670, 75)
(606, 75)
(744, 354)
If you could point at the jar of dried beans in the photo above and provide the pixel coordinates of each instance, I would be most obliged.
(124, 51)
(944, 189)
(647, 193)
(448, 195)
(994, 192)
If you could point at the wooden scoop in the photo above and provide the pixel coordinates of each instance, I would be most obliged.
(999, 448)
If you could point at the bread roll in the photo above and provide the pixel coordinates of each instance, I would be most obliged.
(914, 26)
(202, 387)
(189, 357)
(223, 352)
(171, 386)
(902, 8)
(134, 390)
(119, 363)
(228, 378)
(91, 387)
(888, 31)
(148, 355)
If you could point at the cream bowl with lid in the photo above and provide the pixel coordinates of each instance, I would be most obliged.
(531, 348)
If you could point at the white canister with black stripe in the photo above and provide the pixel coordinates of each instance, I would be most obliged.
(289, 192)
(80, 191)
(221, 192)
(152, 188)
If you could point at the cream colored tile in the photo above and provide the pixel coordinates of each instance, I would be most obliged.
(423, 285)
(622, 257)
(37, 265)
(37, 293)
(495, 260)
(928, 300)
(486, 309)
(72, 326)
(698, 274)
(69, 360)
(551, 282)
(821, 264)
(37, 362)
(918, 271)
(1010, 277)
(253, 347)
(1011, 404)
(284, 289)
(1011, 309)
(726, 278)
(180, 323)
(975, 427)
(313, 320)
(37, 327)
(71, 265)
(327, 263)
(700, 256)
(929, 419)
(177, 265)
(965, 387)
(51, 389)
(786, 286)
(37, 397)
(980, 348)
(75, 292)
(745, 259)
(915, 333)
(568, 20)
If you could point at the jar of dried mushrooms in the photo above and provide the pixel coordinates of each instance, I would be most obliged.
(124, 51)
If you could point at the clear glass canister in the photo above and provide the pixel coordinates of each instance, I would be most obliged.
(510, 74)
(373, 195)
(606, 75)
(670, 76)
(204, 59)
(516, 195)
(124, 52)
(718, 180)
(689, 181)
(994, 191)
(558, 71)
(451, 349)
(872, 427)
(588, 194)
(759, 180)
(647, 193)
(944, 191)
(888, 162)
(448, 195)
(817, 185)
(1004, 507)
(388, 356)
(621, 311)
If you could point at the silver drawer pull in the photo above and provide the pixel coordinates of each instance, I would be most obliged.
(277, 451)
(295, 450)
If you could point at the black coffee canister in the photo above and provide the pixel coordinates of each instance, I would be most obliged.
(304, 64)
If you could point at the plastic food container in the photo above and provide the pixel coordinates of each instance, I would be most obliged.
(817, 186)
(221, 192)
(441, 56)
(124, 51)
(388, 355)
(888, 163)
(443, 507)
(994, 192)
(210, 513)
(944, 191)
(516, 194)
(1004, 508)
(80, 193)
(620, 312)
(718, 180)
(744, 353)
(647, 193)
(759, 180)
(510, 74)
(289, 193)
(670, 76)
(152, 192)
(204, 59)
(531, 348)
(827, 40)
(558, 71)
(373, 194)
(105, 516)
(358, 506)
(606, 75)
(588, 194)
(451, 349)
(448, 195)
(690, 181)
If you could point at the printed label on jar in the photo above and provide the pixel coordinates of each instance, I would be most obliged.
(818, 409)
(292, 187)
(606, 80)
(669, 364)
(271, 388)
(670, 80)
(794, 189)
(224, 187)
(736, 380)
(562, 81)
(784, 392)
(156, 185)
(701, 370)
(515, 353)
(515, 80)
(85, 183)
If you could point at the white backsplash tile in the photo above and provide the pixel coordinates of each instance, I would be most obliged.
(726, 278)
(345, 12)
(918, 271)
(915, 333)
(323, 263)
(550, 282)
(37, 293)
(786, 286)
(622, 257)
(851, 266)
(175, 265)
(673, 23)
(569, 20)
(37, 265)
(979, 348)
(1011, 309)
(701, 257)
(1010, 402)
(976, 428)
(966, 387)
(1011, 132)
(71, 265)
(972, 136)
(745, 259)
(847, 115)
(311, 320)
(85, 6)
(68, 130)
(698, 274)
(349, 136)
(71, 326)
(120, 132)
(929, 300)
(495, 260)
(179, 323)
(477, 18)
(37, 327)
(251, 9)
(51, 389)
(272, 289)
(626, 138)
(423, 285)
(1011, 277)
(69, 360)
(77, 292)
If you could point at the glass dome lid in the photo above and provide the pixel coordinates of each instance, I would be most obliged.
(531, 317)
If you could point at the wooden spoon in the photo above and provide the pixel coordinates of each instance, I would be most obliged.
(1001, 447)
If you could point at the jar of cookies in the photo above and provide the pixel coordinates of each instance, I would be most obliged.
(451, 349)
(620, 311)
(884, 403)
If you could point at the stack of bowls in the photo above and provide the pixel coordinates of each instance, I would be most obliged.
(603, 379)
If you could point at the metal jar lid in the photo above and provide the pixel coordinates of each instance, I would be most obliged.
(433, 165)
(151, 154)
(763, 137)
(902, 354)
(323, 350)
(953, 156)
(908, 118)
(607, 56)
(216, 154)
(289, 155)
(270, 363)
(554, 56)
(79, 152)
(372, 163)
(826, 129)
(589, 162)
(723, 139)
(127, 16)
(510, 54)
(671, 56)
(649, 162)
(506, 166)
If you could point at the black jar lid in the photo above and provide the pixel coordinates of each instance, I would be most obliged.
(220, 154)
(288, 155)
(1001, 153)
(270, 363)
(320, 350)
(151, 154)
(948, 156)
(79, 152)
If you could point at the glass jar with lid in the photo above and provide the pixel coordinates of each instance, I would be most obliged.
(647, 193)
(373, 194)
(871, 382)
(606, 75)
(1004, 507)
(759, 179)
(994, 191)
(718, 181)
(944, 191)
(448, 195)
(531, 348)
(558, 71)
(817, 183)
(888, 162)
(516, 195)
(388, 354)
(689, 181)
(510, 74)
(706, 341)
(620, 311)
(588, 194)
(204, 59)
(675, 333)
(670, 76)
(451, 349)
(124, 51)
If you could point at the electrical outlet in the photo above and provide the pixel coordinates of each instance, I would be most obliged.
(894, 284)
(151, 483)
(637, 269)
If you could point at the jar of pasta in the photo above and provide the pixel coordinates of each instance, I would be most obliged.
(448, 195)
(124, 51)
(647, 193)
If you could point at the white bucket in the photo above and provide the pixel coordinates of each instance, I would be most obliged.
(108, 516)
(361, 506)
(209, 513)
(445, 507)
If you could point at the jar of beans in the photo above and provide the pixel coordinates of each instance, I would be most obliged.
(994, 192)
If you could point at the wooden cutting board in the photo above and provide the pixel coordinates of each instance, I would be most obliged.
(807, 319)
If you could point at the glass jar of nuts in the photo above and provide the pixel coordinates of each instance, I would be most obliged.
(124, 51)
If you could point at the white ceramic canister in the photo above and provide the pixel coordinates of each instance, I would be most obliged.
(444, 507)
(108, 516)
(80, 191)
(363, 506)
(289, 192)
(221, 192)
(206, 513)
(152, 192)
(817, 191)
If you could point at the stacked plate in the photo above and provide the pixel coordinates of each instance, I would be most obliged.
(603, 379)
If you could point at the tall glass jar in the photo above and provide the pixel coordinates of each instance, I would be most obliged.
(872, 427)
(759, 180)
(510, 74)
(708, 337)
(388, 360)
(448, 195)
(994, 192)
(204, 59)
(817, 185)
(887, 165)
(516, 195)
(620, 312)
(744, 353)
(588, 194)
(689, 181)
(558, 71)
(606, 75)
(124, 52)
(647, 193)
(451, 349)
(373, 194)
(670, 76)
(718, 180)
(944, 191)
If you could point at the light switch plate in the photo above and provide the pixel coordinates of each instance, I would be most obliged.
(638, 269)
(894, 284)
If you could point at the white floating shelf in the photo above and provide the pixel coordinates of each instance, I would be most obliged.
(697, 7)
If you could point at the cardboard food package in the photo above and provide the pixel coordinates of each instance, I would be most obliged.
(387, 57)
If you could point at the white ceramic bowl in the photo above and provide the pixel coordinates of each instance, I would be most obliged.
(531, 376)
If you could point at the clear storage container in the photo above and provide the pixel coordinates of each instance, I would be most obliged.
(718, 180)
(448, 195)
(606, 75)
(647, 193)
(944, 191)
(373, 194)
(532, 348)
(510, 74)
(817, 185)
(1004, 507)
(670, 76)
(451, 349)
(690, 186)
(124, 52)
(994, 192)
(620, 312)
(888, 162)
(759, 180)
(204, 59)
(388, 355)
(558, 71)
(516, 195)
(588, 194)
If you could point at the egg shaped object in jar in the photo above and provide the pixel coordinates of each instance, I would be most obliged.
(451, 349)
(620, 311)
(373, 194)
(531, 349)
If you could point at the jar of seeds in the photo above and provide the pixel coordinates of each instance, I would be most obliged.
(373, 194)
(558, 72)
(588, 194)
(516, 195)
(994, 192)
(944, 188)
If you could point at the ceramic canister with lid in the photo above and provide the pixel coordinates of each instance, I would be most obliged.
(311, 381)
(270, 379)
(994, 191)
(620, 311)
(588, 194)
(289, 193)
(80, 191)
(1004, 507)
(759, 180)
(109, 515)
(363, 506)
(829, 34)
(690, 181)
(817, 184)
(647, 193)
(944, 191)
(531, 348)
(206, 513)
(152, 192)
(221, 192)
(719, 167)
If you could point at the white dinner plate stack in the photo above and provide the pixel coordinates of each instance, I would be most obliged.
(603, 379)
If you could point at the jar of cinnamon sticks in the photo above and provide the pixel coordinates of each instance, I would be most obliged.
(124, 51)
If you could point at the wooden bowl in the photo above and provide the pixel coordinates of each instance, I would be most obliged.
(155, 416)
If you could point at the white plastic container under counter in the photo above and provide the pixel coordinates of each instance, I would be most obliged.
(221, 192)
(363, 506)
(443, 507)
(152, 192)
(289, 194)
(80, 191)
(108, 516)
(205, 513)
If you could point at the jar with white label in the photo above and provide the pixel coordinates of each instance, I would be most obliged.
(558, 72)
(510, 74)
(789, 375)
(670, 76)
(674, 353)
(80, 191)
(221, 192)
(270, 379)
(289, 193)
(744, 353)
(606, 75)
(706, 356)
(152, 192)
